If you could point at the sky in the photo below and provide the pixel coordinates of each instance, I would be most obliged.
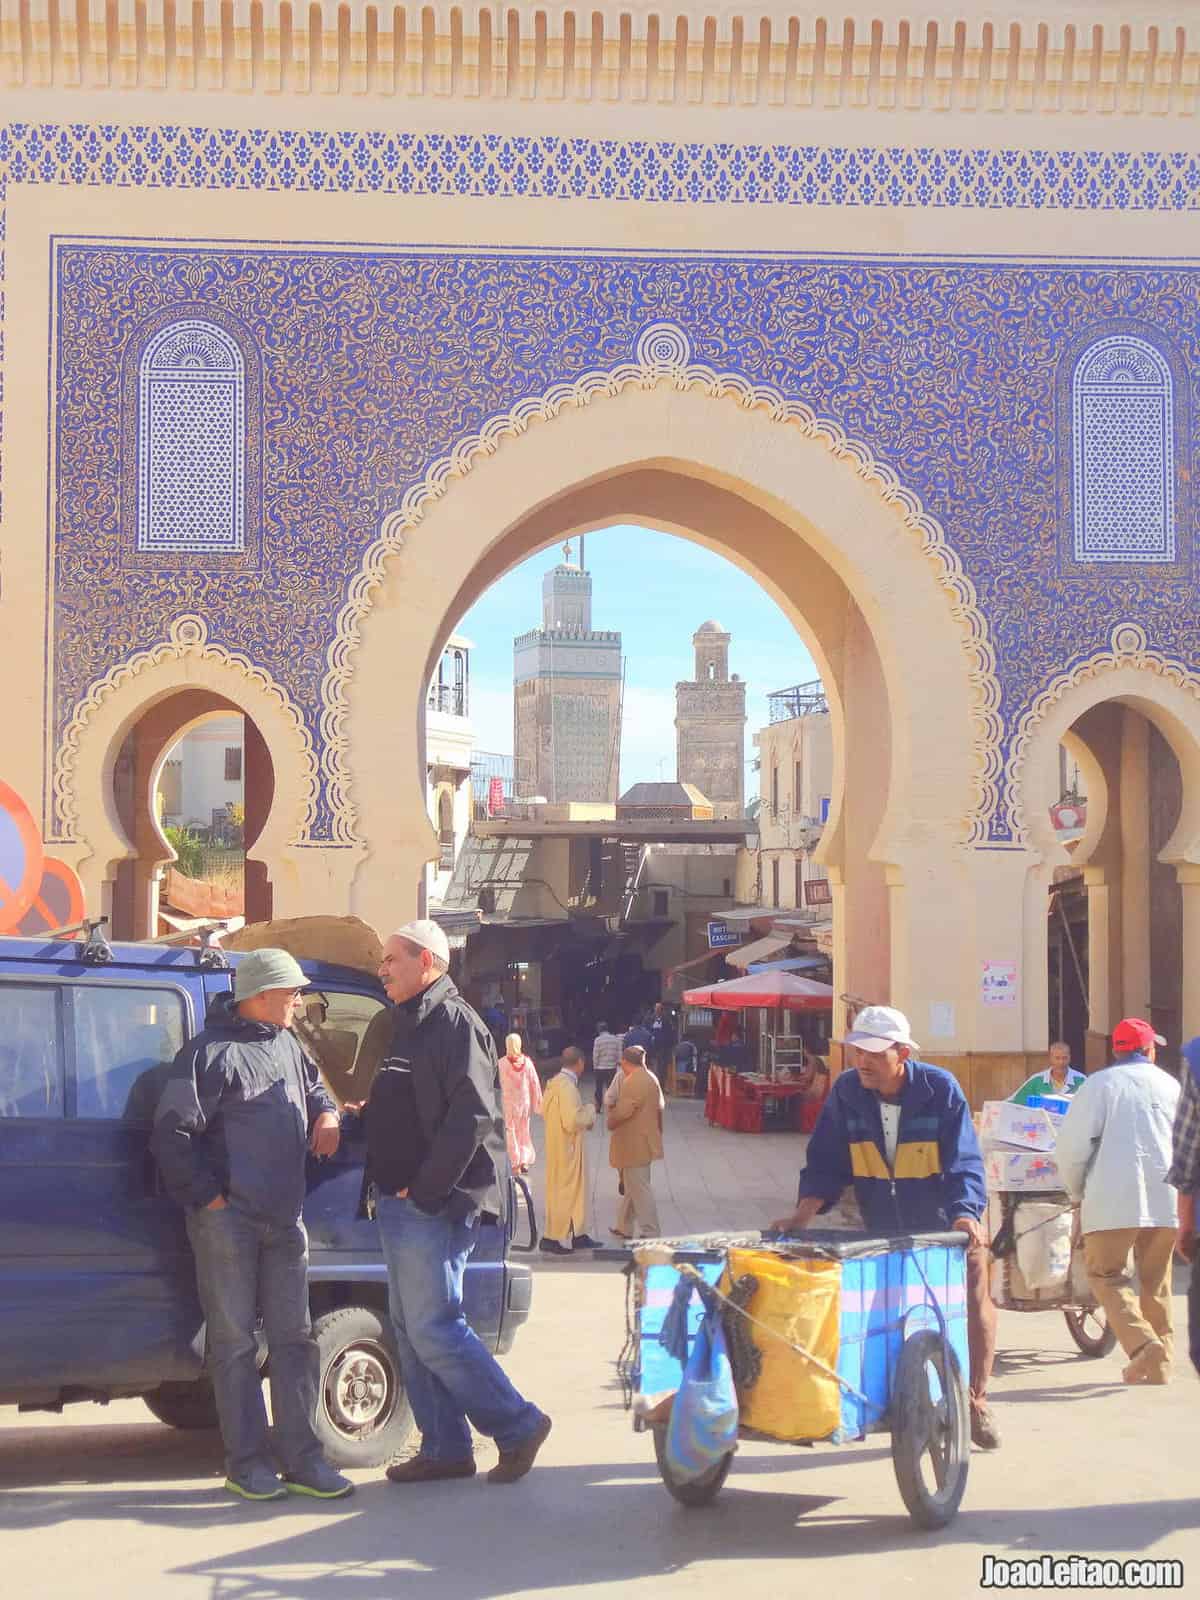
(656, 589)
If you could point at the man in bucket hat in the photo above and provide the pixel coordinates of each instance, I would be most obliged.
(900, 1131)
(242, 1107)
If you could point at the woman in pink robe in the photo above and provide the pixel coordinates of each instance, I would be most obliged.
(521, 1092)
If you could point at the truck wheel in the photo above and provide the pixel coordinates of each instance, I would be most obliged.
(184, 1405)
(363, 1416)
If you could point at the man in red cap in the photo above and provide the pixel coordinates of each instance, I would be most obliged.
(1113, 1152)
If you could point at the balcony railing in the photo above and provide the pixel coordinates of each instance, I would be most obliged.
(449, 698)
(801, 700)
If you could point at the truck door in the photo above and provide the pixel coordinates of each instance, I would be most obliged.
(35, 1204)
(133, 1316)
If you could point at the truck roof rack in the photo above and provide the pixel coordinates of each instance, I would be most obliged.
(209, 953)
(95, 949)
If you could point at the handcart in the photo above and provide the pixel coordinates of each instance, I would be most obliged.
(831, 1336)
(1014, 1221)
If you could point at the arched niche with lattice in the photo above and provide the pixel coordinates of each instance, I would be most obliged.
(191, 441)
(1123, 453)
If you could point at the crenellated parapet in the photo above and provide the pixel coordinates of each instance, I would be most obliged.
(1021, 58)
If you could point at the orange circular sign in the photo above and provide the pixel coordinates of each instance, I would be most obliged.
(58, 903)
(21, 858)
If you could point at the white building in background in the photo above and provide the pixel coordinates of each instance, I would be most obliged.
(795, 769)
(449, 746)
(204, 774)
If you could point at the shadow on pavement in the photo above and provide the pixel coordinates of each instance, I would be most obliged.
(372, 1552)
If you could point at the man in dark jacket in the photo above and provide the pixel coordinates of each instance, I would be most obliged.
(662, 1042)
(236, 1118)
(435, 1163)
(900, 1131)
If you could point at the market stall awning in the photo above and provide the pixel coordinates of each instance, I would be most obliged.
(792, 964)
(782, 991)
(757, 950)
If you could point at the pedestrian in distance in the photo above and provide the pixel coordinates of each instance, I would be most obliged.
(1184, 1176)
(900, 1131)
(241, 1109)
(1113, 1154)
(635, 1125)
(606, 1058)
(436, 1164)
(638, 1034)
(521, 1096)
(1059, 1077)
(567, 1118)
(662, 1042)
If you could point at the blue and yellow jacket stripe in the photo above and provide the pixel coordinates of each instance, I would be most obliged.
(938, 1175)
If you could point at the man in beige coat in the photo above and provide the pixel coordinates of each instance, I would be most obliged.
(635, 1123)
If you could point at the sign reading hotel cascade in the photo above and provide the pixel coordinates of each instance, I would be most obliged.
(722, 937)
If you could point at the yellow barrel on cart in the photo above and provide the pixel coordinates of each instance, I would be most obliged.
(800, 1301)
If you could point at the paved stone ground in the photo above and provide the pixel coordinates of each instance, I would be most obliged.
(106, 1503)
(709, 1178)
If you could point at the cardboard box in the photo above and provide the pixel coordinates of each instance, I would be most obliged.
(1017, 1127)
(1020, 1171)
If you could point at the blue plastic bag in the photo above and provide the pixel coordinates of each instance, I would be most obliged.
(704, 1417)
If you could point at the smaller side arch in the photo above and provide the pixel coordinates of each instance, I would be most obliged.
(90, 834)
(1165, 690)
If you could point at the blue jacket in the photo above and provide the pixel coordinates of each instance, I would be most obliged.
(234, 1117)
(939, 1169)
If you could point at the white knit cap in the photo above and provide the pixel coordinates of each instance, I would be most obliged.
(426, 933)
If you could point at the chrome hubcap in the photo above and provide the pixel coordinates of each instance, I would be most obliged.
(359, 1390)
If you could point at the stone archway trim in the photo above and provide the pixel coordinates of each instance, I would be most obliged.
(187, 636)
(662, 357)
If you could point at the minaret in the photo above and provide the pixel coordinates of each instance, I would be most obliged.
(567, 696)
(710, 725)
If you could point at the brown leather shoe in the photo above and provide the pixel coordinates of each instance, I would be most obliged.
(419, 1469)
(514, 1464)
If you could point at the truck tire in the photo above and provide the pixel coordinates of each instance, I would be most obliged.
(363, 1416)
(184, 1405)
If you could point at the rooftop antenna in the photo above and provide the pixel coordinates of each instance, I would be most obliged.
(582, 562)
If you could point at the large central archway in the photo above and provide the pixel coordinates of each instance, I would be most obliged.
(847, 557)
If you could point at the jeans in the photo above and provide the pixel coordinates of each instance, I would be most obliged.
(603, 1077)
(244, 1266)
(1194, 1314)
(449, 1373)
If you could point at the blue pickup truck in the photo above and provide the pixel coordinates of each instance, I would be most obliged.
(97, 1289)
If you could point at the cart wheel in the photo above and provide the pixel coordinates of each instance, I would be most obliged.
(930, 1430)
(691, 1491)
(1090, 1331)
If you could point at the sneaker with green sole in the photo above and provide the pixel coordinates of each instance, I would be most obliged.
(258, 1483)
(320, 1482)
